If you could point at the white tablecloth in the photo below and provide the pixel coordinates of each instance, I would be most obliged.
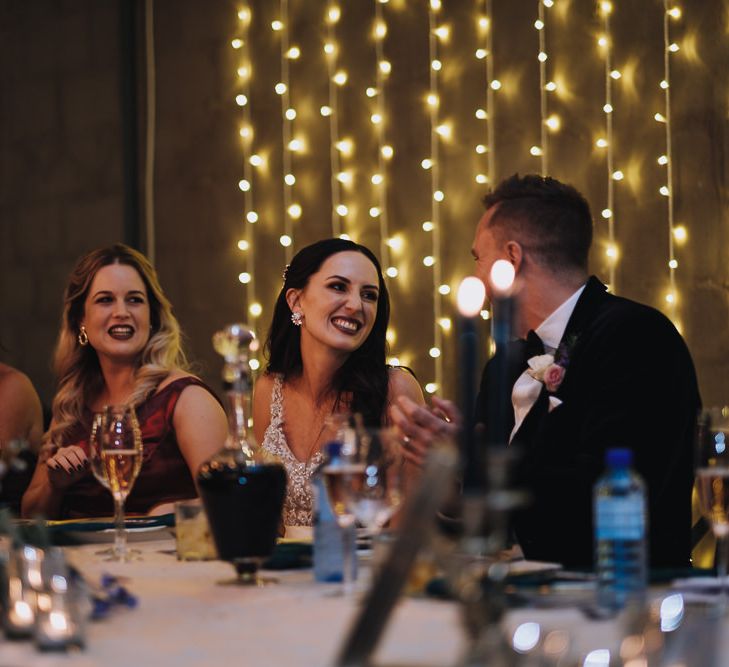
(185, 618)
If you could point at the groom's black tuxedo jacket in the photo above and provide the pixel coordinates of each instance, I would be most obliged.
(629, 382)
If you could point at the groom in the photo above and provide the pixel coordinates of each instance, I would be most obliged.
(622, 377)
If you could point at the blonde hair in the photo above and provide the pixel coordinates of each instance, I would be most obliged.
(77, 367)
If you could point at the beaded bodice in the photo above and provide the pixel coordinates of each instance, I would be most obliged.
(297, 509)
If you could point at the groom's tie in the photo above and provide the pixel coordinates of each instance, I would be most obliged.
(533, 346)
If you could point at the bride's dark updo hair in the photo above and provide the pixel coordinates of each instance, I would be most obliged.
(364, 376)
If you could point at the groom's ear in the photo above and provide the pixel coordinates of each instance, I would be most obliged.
(515, 254)
(292, 297)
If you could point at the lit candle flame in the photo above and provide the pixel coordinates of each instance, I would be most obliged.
(471, 295)
(502, 276)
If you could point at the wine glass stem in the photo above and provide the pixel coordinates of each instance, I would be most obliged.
(120, 537)
(347, 559)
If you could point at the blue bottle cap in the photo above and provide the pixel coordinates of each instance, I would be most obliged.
(333, 450)
(619, 458)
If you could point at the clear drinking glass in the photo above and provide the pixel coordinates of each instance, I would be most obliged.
(712, 483)
(115, 447)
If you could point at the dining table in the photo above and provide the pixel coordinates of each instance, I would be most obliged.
(186, 617)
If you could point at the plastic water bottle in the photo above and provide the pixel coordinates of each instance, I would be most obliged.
(328, 542)
(620, 532)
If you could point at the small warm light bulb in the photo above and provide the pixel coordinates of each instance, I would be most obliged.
(612, 252)
(395, 243)
(380, 29)
(255, 309)
(345, 237)
(290, 114)
(254, 364)
(445, 323)
(256, 160)
(435, 5)
(444, 130)
(244, 14)
(484, 22)
(470, 296)
(482, 179)
(345, 177)
(329, 48)
(539, 25)
(243, 245)
(244, 185)
(542, 57)
(295, 211)
(615, 74)
(606, 7)
(246, 132)
(342, 210)
(345, 146)
(325, 111)
(289, 179)
(481, 53)
(252, 217)
(431, 387)
(241, 100)
(296, 145)
(434, 352)
(237, 43)
(481, 149)
(485, 314)
(607, 213)
(285, 240)
(391, 335)
(607, 108)
(481, 114)
(618, 175)
(553, 122)
(428, 226)
(663, 84)
(437, 65)
(387, 152)
(672, 264)
(340, 78)
(376, 118)
(391, 272)
(444, 289)
(680, 234)
(495, 84)
(602, 40)
(442, 32)
(428, 260)
(535, 151)
(663, 160)
(548, 3)
(374, 212)
(674, 13)
(244, 277)
(376, 179)
(671, 297)
(334, 14)
(550, 86)
(276, 26)
(393, 361)
(438, 195)
(673, 47)
(601, 143)
(502, 275)
(371, 92)
(280, 88)
(432, 100)
(293, 53)
(243, 72)
(385, 66)
(664, 190)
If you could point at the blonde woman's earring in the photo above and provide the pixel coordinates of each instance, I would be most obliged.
(83, 338)
(297, 317)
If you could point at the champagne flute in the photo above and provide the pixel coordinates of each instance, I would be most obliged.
(376, 500)
(712, 483)
(116, 458)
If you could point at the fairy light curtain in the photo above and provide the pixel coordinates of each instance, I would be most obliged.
(386, 121)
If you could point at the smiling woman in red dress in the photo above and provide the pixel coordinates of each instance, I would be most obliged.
(120, 344)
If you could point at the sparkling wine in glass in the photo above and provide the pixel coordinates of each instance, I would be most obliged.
(712, 483)
(116, 458)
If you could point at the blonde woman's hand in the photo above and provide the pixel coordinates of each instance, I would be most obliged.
(67, 466)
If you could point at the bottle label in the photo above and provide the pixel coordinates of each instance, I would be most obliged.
(619, 519)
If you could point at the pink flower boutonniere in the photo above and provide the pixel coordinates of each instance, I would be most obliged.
(550, 369)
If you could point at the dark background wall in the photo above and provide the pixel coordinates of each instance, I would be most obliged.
(62, 185)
